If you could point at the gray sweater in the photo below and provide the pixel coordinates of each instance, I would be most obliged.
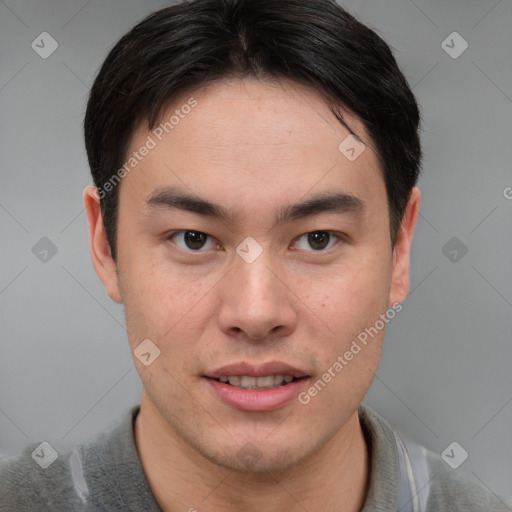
(105, 474)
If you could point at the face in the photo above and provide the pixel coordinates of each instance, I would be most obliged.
(259, 160)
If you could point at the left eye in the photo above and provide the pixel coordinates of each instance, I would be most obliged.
(193, 240)
(316, 240)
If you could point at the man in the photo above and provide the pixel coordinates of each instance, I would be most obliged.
(255, 165)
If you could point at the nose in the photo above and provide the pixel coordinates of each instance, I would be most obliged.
(257, 303)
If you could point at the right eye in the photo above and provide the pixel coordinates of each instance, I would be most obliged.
(192, 241)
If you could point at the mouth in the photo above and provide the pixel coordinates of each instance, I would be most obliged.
(261, 388)
(258, 383)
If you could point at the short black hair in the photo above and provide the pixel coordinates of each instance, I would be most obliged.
(193, 43)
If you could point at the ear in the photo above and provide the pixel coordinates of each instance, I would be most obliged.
(402, 250)
(101, 255)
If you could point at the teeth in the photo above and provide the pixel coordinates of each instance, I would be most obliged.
(267, 382)
(261, 382)
(249, 382)
(234, 381)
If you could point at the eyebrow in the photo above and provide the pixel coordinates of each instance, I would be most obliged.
(331, 203)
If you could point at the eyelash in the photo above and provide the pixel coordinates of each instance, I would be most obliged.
(331, 234)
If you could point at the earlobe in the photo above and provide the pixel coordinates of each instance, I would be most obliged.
(101, 254)
(402, 250)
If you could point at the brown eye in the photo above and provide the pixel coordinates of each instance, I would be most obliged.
(316, 241)
(192, 241)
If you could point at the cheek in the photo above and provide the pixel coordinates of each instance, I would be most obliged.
(347, 306)
(348, 356)
(351, 295)
(162, 304)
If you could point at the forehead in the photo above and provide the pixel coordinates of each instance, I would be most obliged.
(275, 137)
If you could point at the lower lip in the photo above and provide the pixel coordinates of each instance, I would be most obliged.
(257, 400)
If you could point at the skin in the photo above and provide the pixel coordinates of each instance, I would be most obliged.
(253, 147)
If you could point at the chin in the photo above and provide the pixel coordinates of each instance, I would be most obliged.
(258, 458)
(250, 460)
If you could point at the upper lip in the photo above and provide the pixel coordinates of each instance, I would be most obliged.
(261, 370)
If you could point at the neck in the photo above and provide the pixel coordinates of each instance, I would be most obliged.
(333, 479)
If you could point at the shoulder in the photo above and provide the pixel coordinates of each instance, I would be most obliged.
(38, 477)
(103, 473)
(453, 489)
(430, 483)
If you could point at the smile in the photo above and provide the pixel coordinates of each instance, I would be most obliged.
(248, 382)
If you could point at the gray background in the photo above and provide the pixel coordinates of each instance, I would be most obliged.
(65, 368)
